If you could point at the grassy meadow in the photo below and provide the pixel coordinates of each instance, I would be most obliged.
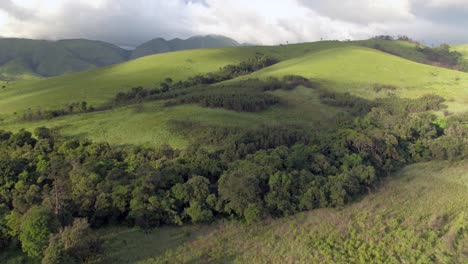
(148, 124)
(417, 216)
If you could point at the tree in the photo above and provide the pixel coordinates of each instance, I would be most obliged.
(240, 188)
(37, 225)
(198, 212)
(4, 236)
(73, 244)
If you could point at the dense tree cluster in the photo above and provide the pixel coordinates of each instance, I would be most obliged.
(440, 56)
(358, 105)
(443, 56)
(243, 96)
(68, 109)
(231, 71)
(237, 101)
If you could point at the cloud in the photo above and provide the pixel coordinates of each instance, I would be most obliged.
(16, 11)
(118, 21)
(133, 22)
(362, 11)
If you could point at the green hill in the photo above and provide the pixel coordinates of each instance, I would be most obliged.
(334, 66)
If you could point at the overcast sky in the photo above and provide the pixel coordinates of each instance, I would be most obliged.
(132, 22)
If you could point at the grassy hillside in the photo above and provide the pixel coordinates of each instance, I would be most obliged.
(345, 69)
(462, 48)
(418, 216)
(357, 70)
(339, 66)
(98, 85)
(149, 124)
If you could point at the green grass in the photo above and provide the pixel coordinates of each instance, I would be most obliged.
(462, 48)
(357, 69)
(402, 49)
(127, 245)
(17, 69)
(418, 216)
(98, 85)
(339, 66)
(148, 124)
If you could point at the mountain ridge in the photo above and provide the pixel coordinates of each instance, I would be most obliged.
(30, 58)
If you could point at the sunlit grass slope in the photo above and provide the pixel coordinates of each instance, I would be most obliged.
(462, 48)
(418, 216)
(149, 125)
(318, 59)
(357, 69)
(98, 85)
(339, 66)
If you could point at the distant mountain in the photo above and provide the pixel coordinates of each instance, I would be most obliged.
(26, 58)
(160, 45)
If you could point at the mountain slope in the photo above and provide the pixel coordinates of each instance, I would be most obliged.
(26, 58)
(48, 58)
(161, 45)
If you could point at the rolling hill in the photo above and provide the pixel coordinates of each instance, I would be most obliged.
(27, 59)
(326, 189)
(336, 66)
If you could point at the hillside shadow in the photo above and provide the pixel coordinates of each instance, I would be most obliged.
(131, 245)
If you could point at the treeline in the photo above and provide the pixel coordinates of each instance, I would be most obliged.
(68, 109)
(443, 56)
(242, 96)
(440, 56)
(358, 105)
(236, 101)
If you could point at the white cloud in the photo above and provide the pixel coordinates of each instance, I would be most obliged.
(447, 3)
(362, 11)
(262, 21)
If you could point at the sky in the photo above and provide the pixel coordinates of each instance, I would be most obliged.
(267, 22)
